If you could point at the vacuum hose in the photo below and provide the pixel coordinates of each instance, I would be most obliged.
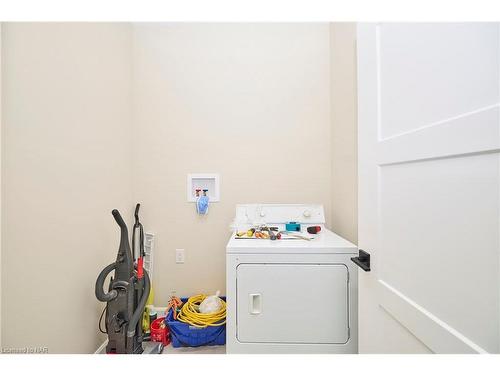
(99, 291)
(140, 307)
(106, 297)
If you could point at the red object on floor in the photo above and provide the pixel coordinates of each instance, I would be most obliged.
(159, 333)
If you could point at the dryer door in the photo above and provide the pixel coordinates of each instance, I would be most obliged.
(293, 303)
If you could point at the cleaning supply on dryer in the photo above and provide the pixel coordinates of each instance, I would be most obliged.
(292, 226)
(293, 235)
(314, 229)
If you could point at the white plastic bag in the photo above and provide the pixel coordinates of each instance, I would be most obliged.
(211, 304)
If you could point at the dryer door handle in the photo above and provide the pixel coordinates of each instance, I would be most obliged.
(255, 303)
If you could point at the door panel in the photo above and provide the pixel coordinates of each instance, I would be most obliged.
(432, 72)
(437, 216)
(292, 303)
(429, 183)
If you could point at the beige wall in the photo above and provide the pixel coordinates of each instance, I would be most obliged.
(344, 130)
(97, 116)
(65, 165)
(251, 102)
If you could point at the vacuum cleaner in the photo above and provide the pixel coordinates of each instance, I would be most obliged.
(127, 294)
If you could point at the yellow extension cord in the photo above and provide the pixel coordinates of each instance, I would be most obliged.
(190, 314)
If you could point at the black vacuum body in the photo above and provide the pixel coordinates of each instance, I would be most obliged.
(126, 298)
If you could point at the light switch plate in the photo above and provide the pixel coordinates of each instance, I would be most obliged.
(179, 256)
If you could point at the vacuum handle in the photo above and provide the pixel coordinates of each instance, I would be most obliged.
(119, 219)
(137, 213)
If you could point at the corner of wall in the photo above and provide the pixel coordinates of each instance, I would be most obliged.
(343, 92)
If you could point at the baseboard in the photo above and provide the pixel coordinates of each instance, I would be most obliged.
(102, 349)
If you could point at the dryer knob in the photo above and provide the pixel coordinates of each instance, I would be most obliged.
(307, 213)
(262, 214)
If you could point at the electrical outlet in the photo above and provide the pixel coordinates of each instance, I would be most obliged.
(179, 256)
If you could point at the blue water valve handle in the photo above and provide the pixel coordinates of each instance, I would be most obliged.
(292, 226)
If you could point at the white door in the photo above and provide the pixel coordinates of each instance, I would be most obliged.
(428, 122)
(292, 303)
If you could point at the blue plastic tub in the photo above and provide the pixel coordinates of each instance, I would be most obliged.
(183, 334)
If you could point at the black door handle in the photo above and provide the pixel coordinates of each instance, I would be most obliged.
(362, 260)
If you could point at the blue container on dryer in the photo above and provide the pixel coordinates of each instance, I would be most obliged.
(292, 226)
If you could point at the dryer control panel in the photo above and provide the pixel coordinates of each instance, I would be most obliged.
(254, 214)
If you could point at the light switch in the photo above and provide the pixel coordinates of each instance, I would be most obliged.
(179, 256)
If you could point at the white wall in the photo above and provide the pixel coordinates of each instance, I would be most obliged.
(344, 130)
(248, 101)
(66, 162)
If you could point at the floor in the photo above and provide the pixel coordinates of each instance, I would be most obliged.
(216, 349)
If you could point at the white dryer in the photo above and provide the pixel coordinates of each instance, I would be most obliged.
(290, 295)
